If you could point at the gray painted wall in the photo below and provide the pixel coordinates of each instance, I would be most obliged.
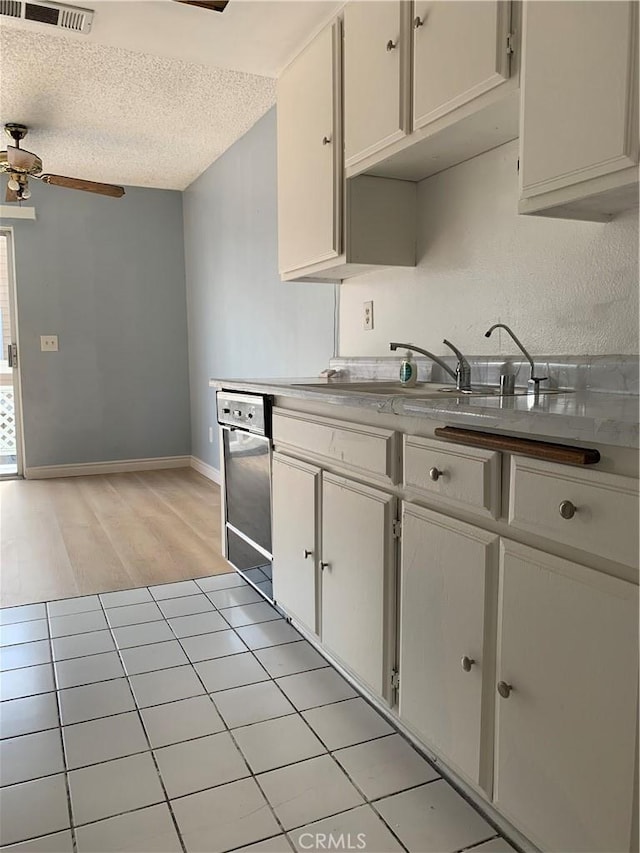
(243, 321)
(106, 276)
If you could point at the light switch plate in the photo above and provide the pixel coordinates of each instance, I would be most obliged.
(367, 315)
(48, 343)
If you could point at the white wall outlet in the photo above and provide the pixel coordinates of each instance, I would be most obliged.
(210, 435)
(48, 343)
(367, 315)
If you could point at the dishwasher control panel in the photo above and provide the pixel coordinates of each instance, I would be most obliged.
(249, 412)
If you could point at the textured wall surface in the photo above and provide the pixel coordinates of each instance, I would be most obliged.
(565, 287)
(107, 277)
(243, 321)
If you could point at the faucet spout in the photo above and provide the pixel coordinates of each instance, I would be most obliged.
(533, 378)
(394, 345)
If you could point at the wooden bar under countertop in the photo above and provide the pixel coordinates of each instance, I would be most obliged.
(523, 446)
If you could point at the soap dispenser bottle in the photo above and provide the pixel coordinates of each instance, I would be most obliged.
(408, 370)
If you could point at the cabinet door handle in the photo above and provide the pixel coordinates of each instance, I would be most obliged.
(307, 554)
(504, 689)
(466, 663)
(326, 140)
(391, 45)
(435, 474)
(567, 509)
(417, 22)
(324, 566)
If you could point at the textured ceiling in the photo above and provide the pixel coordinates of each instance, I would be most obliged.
(156, 92)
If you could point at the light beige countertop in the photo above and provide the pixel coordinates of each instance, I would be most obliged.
(586, 416)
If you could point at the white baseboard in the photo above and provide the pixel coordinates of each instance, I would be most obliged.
(206, 470)
(44, 472)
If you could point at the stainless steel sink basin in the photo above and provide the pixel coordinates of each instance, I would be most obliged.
(421, 390)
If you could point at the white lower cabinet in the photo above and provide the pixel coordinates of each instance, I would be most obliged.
(358, 579)
(566, 720)
(517, 668)
(448, 586)
(295, 492)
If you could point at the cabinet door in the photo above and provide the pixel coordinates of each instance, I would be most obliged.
(577, 93)
(375, 89)
(357, 578)
(459, 53)
(310, 154)
(294, 501)
(566, 733)
(448, 591)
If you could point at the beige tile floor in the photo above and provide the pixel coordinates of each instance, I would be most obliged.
(191, 717)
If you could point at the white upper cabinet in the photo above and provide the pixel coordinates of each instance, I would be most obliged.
(579, 120)
(566, 702)
(295, 493)
(459, 53)
(310, 154)
(329, 231)
(451, 64)
(376, 55)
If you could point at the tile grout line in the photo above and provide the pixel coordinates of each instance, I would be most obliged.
(74, 843)
(235, 743)
(146, 736)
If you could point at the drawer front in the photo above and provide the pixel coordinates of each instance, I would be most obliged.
(368, 450)
(589, 510)
(461, 476)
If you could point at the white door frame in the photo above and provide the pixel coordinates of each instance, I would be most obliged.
(7, 231)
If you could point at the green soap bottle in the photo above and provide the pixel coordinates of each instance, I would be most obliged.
(408, 370)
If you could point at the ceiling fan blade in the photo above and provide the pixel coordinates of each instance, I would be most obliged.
(21, 159)
(11, 195)
(215, 5)
(87, 186)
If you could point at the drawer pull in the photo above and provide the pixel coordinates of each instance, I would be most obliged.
(504, 689)
(435, 474)
(467, 663)
(567, 509)
(307, 554)
(324, 566)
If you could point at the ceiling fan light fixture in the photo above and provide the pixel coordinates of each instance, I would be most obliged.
(25, 192)
(13, 183)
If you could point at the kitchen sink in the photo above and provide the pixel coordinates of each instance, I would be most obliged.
(420, 390)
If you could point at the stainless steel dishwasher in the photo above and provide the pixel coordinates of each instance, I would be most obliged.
(246, 449)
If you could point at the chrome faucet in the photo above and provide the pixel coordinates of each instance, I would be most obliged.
(462, 374)
(534, 381)
(463, 369)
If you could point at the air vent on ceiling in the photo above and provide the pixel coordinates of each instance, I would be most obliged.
(45, 12)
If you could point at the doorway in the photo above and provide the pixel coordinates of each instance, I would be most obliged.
(10, 410)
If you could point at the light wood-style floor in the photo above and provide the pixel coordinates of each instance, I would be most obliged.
(82, 535)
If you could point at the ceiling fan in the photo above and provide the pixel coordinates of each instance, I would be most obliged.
(214, 5)
(21, 165)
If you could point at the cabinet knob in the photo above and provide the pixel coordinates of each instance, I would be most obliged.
(324, 566)
(567, 509)
(307, 554)
(504, 689)
(417, 22)
(466, 663)
(391, 45)
(435, 474)
(326, 140)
